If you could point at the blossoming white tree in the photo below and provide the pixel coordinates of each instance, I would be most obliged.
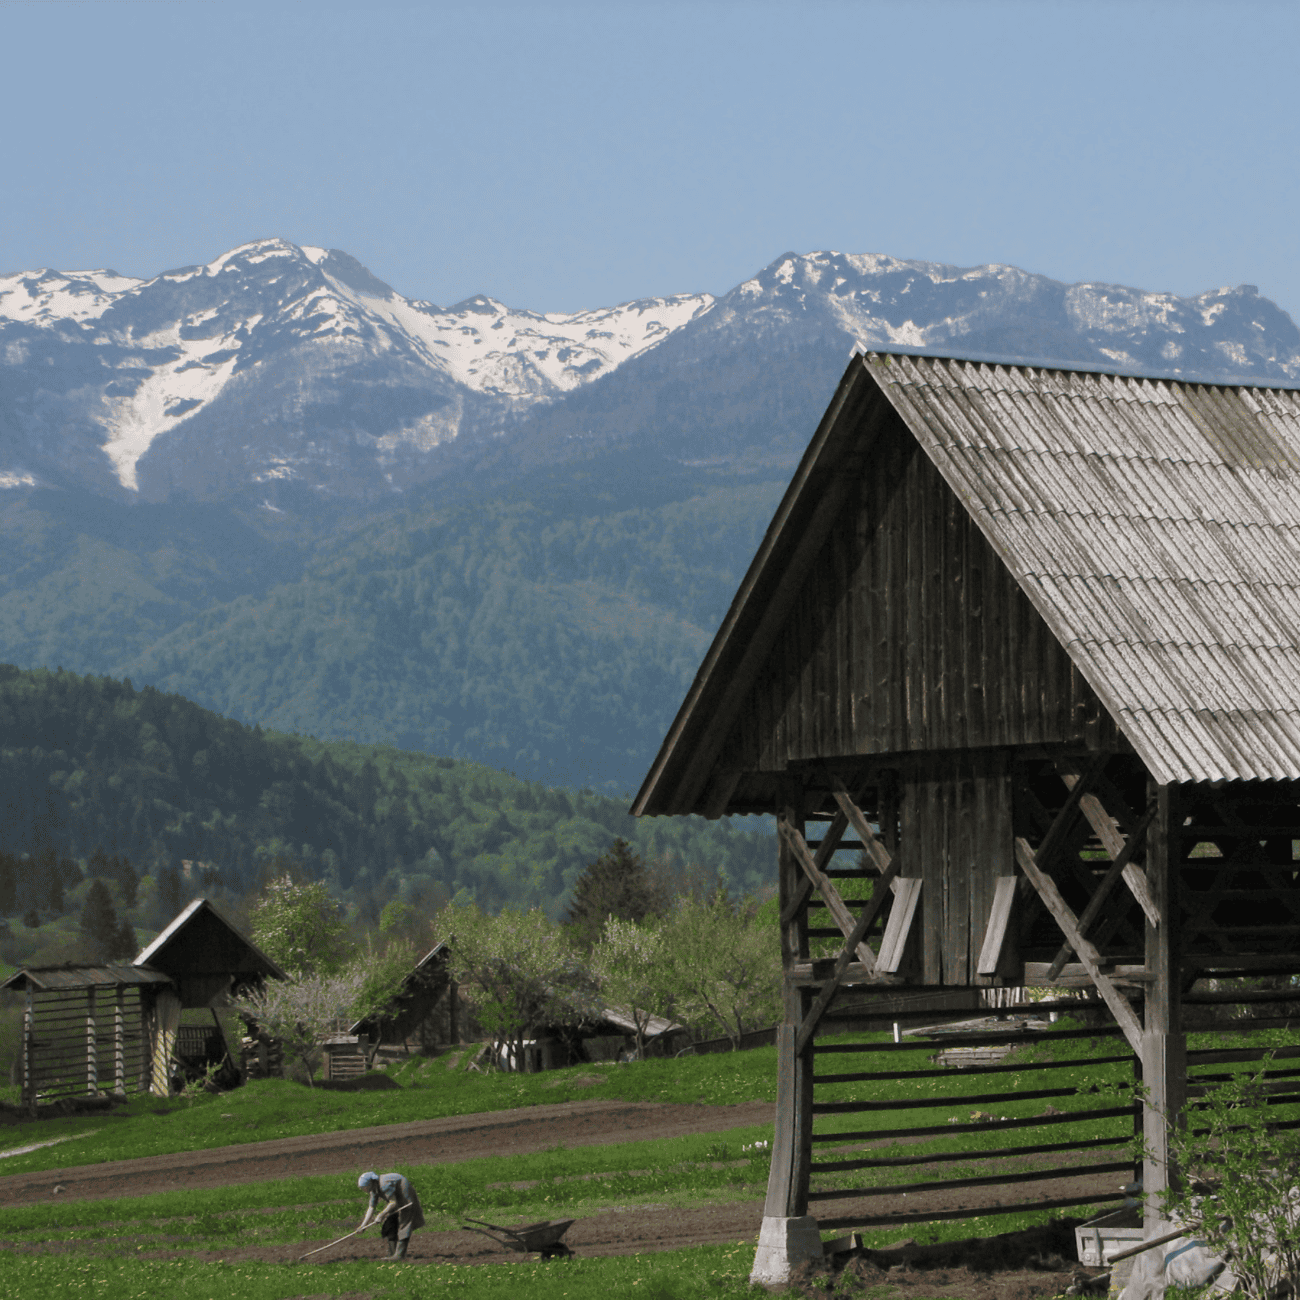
(635, 973)
(518, 970)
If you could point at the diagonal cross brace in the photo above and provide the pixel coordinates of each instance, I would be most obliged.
(854, 939)
(825, 852)
(830, 895)
(1113, 842)
(1087, 954)
(1117, 868)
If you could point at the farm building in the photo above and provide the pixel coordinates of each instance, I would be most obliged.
(1031, 639)
(118, 1027)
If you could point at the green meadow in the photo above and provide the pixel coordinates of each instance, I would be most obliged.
(172, 1244)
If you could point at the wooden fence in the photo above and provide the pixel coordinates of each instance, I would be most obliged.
(1039, 1149)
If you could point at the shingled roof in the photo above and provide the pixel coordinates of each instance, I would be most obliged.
(1153, 525)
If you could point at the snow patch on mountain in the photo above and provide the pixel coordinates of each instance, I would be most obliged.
(163, 399)
(492, 348)
(47, 297)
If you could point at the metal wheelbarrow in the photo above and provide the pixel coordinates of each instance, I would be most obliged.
(543, 1237)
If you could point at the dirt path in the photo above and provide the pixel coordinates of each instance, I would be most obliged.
(422, 1142)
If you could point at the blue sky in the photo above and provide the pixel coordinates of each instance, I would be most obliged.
(559, 156)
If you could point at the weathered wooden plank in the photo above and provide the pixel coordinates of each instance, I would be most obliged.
(1007, 1178)
(935, 1130)
(1113, 841)
(1004, 896)
(853, 815)
(1164, 1044)
(898, 928)
(1088, 955)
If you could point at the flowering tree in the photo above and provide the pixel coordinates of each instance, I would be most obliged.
(726, 968)
(518, 970)
(302, 927)
(301, 1013)
(632, 963)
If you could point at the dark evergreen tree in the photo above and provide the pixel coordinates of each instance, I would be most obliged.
(618, 883)
(8, 884)
(121, 870)
(98, 922)
(125, 944)
(169, 893)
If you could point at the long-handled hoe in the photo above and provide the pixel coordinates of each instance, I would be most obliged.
(346, 1235)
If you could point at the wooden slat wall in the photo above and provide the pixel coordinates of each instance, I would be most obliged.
(910, 635)
(59, 1061)
(956, 824)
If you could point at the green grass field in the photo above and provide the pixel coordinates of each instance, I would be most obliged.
(118, 1248)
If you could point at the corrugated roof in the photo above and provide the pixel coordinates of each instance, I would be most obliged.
(1155, 526)
(46, 978)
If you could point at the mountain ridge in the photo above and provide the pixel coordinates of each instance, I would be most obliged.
(344, 539)
(277, 363)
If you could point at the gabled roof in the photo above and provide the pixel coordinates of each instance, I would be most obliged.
(407, 992)
(202, 940)
(1154, 526)
(43, 979)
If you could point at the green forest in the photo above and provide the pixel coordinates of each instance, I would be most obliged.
(94, 771)
(554, 636)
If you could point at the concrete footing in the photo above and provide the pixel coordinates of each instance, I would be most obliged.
(784, 1244)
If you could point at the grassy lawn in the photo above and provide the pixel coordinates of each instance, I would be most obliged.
(431, 1088)
(117, 1248)
(695, 1274)
(114, 1248)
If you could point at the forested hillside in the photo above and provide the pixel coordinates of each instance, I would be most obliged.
(90, 762)
(538, 636)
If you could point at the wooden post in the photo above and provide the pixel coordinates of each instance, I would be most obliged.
(29, 1033)
(119, 1046)
(453, 1011)
(792, 1145)
(92, 1056)
(1164, 1045)
(146, 1041)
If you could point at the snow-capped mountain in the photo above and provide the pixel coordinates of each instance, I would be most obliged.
(136, 359)
(276, 364)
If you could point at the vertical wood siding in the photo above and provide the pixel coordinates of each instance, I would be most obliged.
(957, 836)
(910, 635)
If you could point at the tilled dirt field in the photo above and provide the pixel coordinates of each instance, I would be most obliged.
(611, 1232)
(424, 1142)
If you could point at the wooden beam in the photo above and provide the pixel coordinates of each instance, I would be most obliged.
(1112, 840)
(901, 916)
(1004, 894)
(1088, 955)
(1117, 867)
(875, 850)
(845, 919)
(826, 850)
(828, 990)
(1164, 1049)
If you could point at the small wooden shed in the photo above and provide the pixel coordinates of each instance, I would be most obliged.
(422, 988)
(117, 1027)
(1031, 639)
(86, 1029)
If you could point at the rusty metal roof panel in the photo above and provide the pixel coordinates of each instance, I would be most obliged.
(1155, 525)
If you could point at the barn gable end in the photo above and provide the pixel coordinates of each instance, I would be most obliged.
(908, 634)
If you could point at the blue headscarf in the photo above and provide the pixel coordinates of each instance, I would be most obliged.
(363, 1183)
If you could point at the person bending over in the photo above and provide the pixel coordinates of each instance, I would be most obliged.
(401, 1213)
